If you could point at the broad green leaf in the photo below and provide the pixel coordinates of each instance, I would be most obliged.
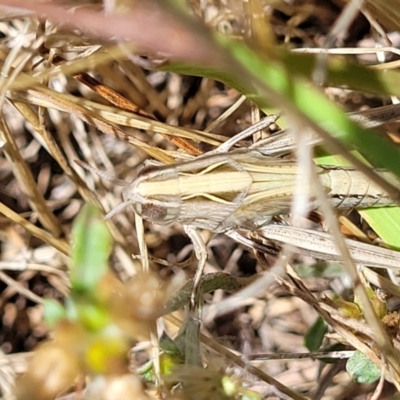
(386, 223)
(362, 369)
(169, 346)
(315, 335)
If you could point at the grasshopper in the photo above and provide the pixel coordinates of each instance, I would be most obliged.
(242, 189)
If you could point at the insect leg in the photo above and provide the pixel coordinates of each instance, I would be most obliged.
(260, 125)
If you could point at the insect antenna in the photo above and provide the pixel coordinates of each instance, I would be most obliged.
(111, 179)
(102, 174)
(117, 209)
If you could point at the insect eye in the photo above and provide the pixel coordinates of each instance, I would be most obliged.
(153, 212)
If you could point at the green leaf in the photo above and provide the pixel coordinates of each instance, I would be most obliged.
(362, 369)
(90, 250)
(170, 357)
(53, 312)
(386, 223)
(93, 317)
(169, 346)
(315, 335)
(87, 312)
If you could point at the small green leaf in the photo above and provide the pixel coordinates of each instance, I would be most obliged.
(187, 342)
(349, 309)
(90, 251)
(53, 312)
(171, 356)
(168, 345)
(315, 335)
(362, 369)
(92, 316)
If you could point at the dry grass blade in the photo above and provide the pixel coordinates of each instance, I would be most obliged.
(20, 168)
(47, 98)
(27, 182)
(59, 244)
(124, 104)
(387, 15)
(19, 288)
(93, 119)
